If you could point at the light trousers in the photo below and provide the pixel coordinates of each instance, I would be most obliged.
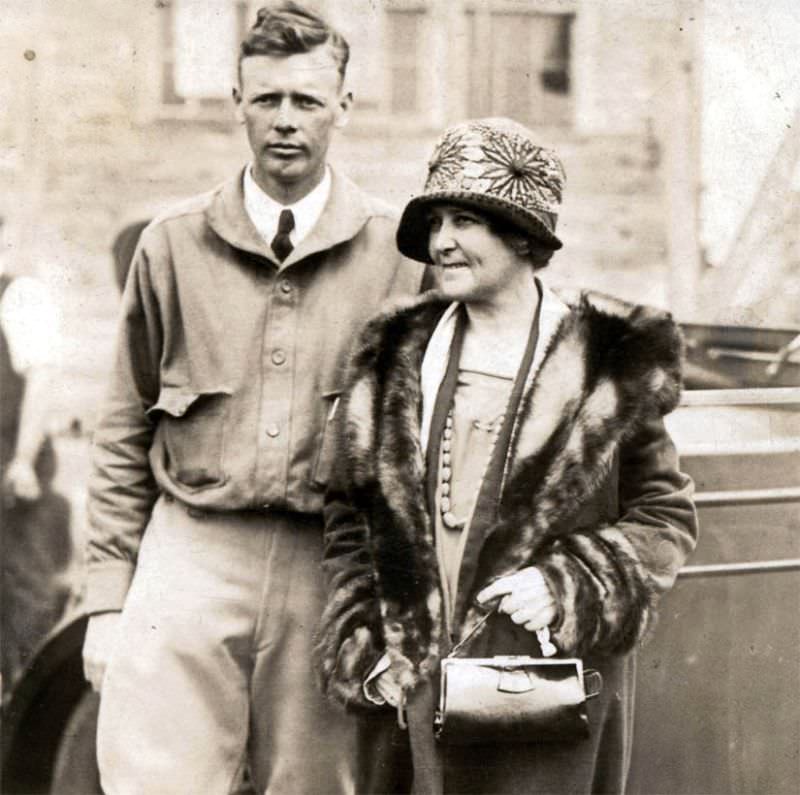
(213, 667)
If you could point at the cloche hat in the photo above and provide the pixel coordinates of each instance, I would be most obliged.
(491, 165)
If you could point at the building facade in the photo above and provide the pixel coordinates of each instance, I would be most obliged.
(115, 109)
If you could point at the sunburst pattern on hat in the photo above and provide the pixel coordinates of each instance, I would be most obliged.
(445, 163)
(481, 158)
(522, 172)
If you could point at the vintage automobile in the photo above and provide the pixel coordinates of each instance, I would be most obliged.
(717, 708)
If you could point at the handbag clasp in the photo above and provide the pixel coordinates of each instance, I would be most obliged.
(515, 680)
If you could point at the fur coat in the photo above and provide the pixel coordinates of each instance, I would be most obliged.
(591, 495)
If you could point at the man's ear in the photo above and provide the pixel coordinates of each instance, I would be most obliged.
(237, 101)
(343, 111)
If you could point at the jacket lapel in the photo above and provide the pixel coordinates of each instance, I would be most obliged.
(434, 366)
(343, 216)
(227, 217)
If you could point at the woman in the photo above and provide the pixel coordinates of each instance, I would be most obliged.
(499, 445)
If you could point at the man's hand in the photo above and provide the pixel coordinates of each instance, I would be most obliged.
(101, 638)
(21, 481)
(526, 598)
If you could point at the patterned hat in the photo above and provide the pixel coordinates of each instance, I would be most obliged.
(491, 165)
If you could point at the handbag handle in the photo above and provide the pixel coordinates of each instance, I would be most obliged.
(473, 631)
(542, 635)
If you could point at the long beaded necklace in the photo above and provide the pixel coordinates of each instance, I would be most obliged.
(449, 519)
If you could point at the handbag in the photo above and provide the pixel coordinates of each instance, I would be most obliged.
(514, 698)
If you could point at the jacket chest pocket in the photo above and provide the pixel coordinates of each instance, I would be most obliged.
(326, 451)
(192, 427)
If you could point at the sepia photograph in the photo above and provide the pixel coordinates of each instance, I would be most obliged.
(400, 396)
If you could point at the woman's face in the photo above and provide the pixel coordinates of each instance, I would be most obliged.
(473, 264)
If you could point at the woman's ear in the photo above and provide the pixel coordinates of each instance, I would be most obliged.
(538, 254)
(520, 245)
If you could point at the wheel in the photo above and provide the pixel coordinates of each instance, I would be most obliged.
(75, 768)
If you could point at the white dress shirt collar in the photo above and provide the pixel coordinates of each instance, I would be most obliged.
(264, 211)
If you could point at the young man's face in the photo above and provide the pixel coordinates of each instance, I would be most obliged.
(290, 106)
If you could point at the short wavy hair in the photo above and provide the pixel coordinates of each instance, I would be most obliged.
(524, 245)
(284, 27)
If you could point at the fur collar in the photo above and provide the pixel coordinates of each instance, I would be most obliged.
(608, 366)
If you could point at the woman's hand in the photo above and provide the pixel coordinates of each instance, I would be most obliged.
(381, 685)
(388, 688)
(526, 598)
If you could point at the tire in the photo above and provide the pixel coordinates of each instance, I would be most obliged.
(75, 767)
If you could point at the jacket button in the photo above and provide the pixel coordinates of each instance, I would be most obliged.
(286, 286)
(278, 356)
(273, 430)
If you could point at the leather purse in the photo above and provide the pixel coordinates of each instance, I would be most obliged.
(514, 698)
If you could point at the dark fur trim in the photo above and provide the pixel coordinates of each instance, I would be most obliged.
(350, 637)
(604, 593)
(387, 476)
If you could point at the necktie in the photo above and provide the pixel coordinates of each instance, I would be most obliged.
(281, 244)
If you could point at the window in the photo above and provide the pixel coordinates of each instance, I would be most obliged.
(403, 34)
(519, 65)
(390, 52)
(199, 47)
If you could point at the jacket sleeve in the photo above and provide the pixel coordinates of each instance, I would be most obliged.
(607, 580)
(350, 637)
(121, 487)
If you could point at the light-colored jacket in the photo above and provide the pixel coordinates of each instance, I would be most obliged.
(228, 366)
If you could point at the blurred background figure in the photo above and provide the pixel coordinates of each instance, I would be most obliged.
(34, 519)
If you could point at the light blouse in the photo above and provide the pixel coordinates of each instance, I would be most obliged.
(478, 409)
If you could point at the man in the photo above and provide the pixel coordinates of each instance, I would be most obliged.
(214, 446)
